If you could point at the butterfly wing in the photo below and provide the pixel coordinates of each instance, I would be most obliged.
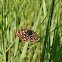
(21, 34)
(34, 37)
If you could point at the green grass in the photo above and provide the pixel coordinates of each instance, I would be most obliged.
(43, 17)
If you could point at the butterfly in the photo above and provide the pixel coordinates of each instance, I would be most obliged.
(27, 35)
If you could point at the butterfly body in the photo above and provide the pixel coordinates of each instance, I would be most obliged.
(26, 35)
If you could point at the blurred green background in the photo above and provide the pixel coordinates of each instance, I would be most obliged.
(42, 16)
